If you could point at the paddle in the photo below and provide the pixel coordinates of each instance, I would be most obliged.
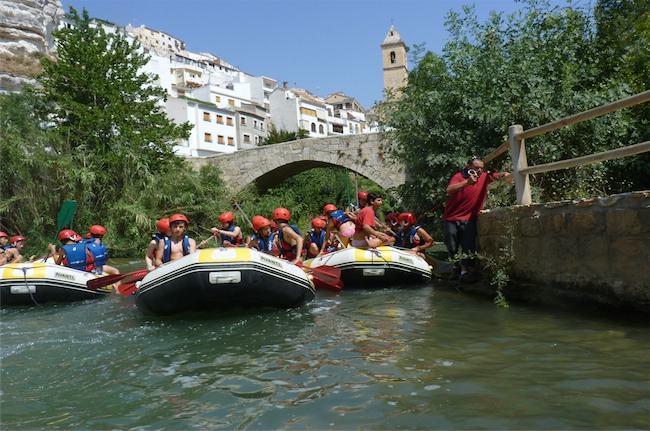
(325, 277)
(66, 214)
(96, 283)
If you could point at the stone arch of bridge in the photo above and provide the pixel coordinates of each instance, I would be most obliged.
(269, 165)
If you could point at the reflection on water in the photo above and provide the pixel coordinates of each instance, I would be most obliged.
(418, 358)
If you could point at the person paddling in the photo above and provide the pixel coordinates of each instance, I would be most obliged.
(4, 240)
(178, 244)
(230, 234)
(72, 253)
(413, 235)
(338, 221)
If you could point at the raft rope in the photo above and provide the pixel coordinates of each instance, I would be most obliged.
(24, 268)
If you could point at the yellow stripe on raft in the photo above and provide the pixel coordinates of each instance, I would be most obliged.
(225, 254)
(372, 255)
(15, 270)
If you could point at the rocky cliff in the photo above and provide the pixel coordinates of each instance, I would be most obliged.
(25, 35)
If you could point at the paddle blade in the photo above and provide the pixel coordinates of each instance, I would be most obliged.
(327, 271)
(66, 214)
(99, 282)
(319, 283)
(128, 287)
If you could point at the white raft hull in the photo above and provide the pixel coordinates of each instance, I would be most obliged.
(42, 282)
(380, 267)
(222, 279)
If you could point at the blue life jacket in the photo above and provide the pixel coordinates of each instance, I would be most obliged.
(76, 257)
(100, 252)
(167, 253)
(339, 218)
(264, 245)
(287, 250)
(317, 239)
(408, 237)
(235, 241)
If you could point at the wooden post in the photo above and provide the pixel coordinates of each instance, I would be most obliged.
(519, 162)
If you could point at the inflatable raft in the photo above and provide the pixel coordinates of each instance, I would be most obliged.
(42, 282)
(222, 279)
(381, 266)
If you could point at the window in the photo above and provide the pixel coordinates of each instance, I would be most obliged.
(206, 116)
(255, 124)
(320, 129)
(217, 99)
(207, 137)
(307, 111)
(219, 119)
(228, 121)
(313, 127)
(393, 59)
(242, 121)
(220, 140)
(261, 125)
(247, 138)
(231, 141)
(231, 102)
(257, 140)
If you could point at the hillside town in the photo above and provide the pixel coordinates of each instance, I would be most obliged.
(232, 110)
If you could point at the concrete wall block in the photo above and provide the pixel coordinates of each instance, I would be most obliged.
(585, 222)
(554, 223)
(629, 258)
(624, 221)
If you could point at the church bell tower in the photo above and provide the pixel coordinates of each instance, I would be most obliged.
(393, 53)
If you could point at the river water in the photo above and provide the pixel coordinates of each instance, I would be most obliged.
(424, 357)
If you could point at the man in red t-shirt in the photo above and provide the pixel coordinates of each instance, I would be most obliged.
(467, 192)
(365, 234)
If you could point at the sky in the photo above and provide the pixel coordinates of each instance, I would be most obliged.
(324, 46)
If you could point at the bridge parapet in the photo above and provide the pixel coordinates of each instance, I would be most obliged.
(269, 165)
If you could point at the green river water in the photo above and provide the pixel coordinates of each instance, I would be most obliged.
(425, 357)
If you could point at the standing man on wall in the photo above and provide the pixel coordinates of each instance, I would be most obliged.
(467, 192)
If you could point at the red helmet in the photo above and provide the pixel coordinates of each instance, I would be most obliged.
(163, 225)
(178, 217)
(318, 222)
(226, 217)
(329, 208)
(362, 195)
(15, 239)
(68, 234)
(281, 214)
(88, 235)
(392, 216)
(97, 230)
(409, 218)
(4, 235)
(260, 222)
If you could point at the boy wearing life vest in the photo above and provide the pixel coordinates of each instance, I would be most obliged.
(412, 235)
(72, 253)
(230, 233)
(262, 239)
(338, 221)
(99, 250)
(178, 244)
(13, 250)
(365, 234)
(316, 238)
(289, 239)
(163, 231)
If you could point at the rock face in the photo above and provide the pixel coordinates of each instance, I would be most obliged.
(26, 28)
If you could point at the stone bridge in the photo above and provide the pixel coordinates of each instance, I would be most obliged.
(269, 165)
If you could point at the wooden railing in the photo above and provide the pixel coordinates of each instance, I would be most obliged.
(517, 136)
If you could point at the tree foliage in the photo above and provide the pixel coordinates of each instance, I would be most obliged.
(276, 136)
(530, 68)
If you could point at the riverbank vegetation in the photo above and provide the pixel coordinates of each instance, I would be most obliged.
(94, 132)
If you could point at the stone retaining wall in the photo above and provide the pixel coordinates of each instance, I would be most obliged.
(593, 250)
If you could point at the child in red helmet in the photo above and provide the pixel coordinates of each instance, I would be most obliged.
(72, 253)
(163, 231)
(413, 235)
(4, 240)
(289, 239)
(230, 233)
(316, 239)
(178, 244)
(13, 250)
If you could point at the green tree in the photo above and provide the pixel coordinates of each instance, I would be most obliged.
(107, 111)
(277, 136)
(535, 66)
